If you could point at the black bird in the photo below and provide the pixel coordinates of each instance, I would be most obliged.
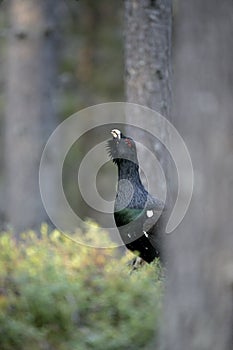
(136, 212)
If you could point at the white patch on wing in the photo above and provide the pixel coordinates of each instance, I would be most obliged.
(146, 234)
(149, 213)
(129, 235)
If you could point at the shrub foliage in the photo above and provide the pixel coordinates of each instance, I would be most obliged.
(55, 294)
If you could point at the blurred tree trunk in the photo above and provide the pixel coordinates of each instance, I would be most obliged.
(148, 71)
(148, 53)
(199, 293)
(2, 184)
(30, 106)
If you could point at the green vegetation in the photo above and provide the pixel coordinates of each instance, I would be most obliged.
(55, 294)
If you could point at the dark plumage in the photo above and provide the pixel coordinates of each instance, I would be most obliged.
(136, 212)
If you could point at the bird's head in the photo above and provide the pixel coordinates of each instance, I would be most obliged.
(122, 148)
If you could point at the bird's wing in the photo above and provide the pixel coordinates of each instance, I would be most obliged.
(150, 219)
(153, 210)
(154, 203)
(127, 215)
(142, 229)
(147, 217)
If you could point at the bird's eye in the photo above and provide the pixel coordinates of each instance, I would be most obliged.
(129, 143)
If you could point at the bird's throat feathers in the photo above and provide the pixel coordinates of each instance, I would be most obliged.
(128, 170)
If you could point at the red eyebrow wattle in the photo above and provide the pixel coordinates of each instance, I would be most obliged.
(128, 142)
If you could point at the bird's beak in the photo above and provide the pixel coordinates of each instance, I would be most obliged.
(116, 134)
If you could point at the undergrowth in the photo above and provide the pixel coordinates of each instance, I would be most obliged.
(55, 294)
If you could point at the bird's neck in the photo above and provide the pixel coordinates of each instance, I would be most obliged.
(130, 190)
(129, 170)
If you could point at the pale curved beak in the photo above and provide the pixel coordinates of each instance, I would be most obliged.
(116, 134)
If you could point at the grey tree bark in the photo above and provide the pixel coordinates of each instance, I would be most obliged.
(199, 293)
(31, 81)
(148, 74)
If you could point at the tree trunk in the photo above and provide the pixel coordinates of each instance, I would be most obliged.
(31, 80)
(199, 293)
(148, 74)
